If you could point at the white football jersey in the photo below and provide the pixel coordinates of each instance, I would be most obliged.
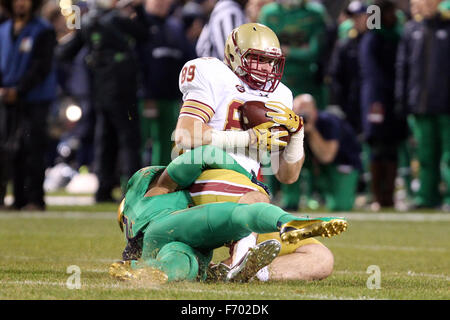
(213, 94)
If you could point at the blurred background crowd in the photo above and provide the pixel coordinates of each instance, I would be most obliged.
(89, 94)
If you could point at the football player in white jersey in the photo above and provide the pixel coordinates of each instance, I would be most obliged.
(213, 91)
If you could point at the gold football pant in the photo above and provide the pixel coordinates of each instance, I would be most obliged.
(220, 185)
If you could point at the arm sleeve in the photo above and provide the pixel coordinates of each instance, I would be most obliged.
(41, 62)
(185, 169)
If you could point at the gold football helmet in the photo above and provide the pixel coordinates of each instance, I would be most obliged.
(120, 214)
(248, 48)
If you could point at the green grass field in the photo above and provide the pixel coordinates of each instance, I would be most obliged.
(411, 250)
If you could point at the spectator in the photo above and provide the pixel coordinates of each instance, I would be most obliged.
(28, 85)
(110, 37)
(334, 7)
(163, 57)
(207, 5)
(384, 128)
(3, 15)
(333, 144)
(423, 89)
(301, 27)
(74, 84)
(226, 15)
(344, 68)
(194, 19)
(52, 12)
(253, 9)
(77, 82)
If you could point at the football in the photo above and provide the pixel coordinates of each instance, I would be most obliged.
(253, 113)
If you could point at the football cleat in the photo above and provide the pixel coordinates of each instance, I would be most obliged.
(122, 270)
(297, 230)
(217, 273)
(256, 258)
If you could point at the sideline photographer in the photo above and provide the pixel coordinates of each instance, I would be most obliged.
(333, 144)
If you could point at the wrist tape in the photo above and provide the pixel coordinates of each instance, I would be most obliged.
(294, 150)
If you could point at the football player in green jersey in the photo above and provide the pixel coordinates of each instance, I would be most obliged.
(177, 240)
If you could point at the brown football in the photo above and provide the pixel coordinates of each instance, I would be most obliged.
(253, 113)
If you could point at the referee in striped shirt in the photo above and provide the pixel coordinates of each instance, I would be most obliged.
(226, 15)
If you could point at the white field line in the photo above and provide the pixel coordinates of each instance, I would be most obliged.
(121, 286)
(398, 274)
(389, 248)
(76, 200)
(59, 215)
(408, 217)
(354, 216)
(108, 261)
(65, 259)
(409, 273)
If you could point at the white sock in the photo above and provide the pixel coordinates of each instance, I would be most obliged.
(241, 248)
(263, 274)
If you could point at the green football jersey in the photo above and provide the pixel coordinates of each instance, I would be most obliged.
(139, 211)
(303, 29)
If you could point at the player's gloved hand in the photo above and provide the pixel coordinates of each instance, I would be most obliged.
(284, 116)
(265, 138)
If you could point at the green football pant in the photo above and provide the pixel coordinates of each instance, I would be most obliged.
(158, 132)
(291, 193)
(404, 164)
(432, 133)
(181, 244)
(338, 187)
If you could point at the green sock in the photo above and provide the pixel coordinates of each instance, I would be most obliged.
(285, 219)
(177, 260)
(266, 218)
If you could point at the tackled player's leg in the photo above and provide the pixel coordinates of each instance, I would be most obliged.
(208, 227)
(307, 259)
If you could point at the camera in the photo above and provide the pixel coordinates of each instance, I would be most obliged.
(304, 116)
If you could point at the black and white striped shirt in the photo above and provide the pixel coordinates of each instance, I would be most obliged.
(226, 15)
